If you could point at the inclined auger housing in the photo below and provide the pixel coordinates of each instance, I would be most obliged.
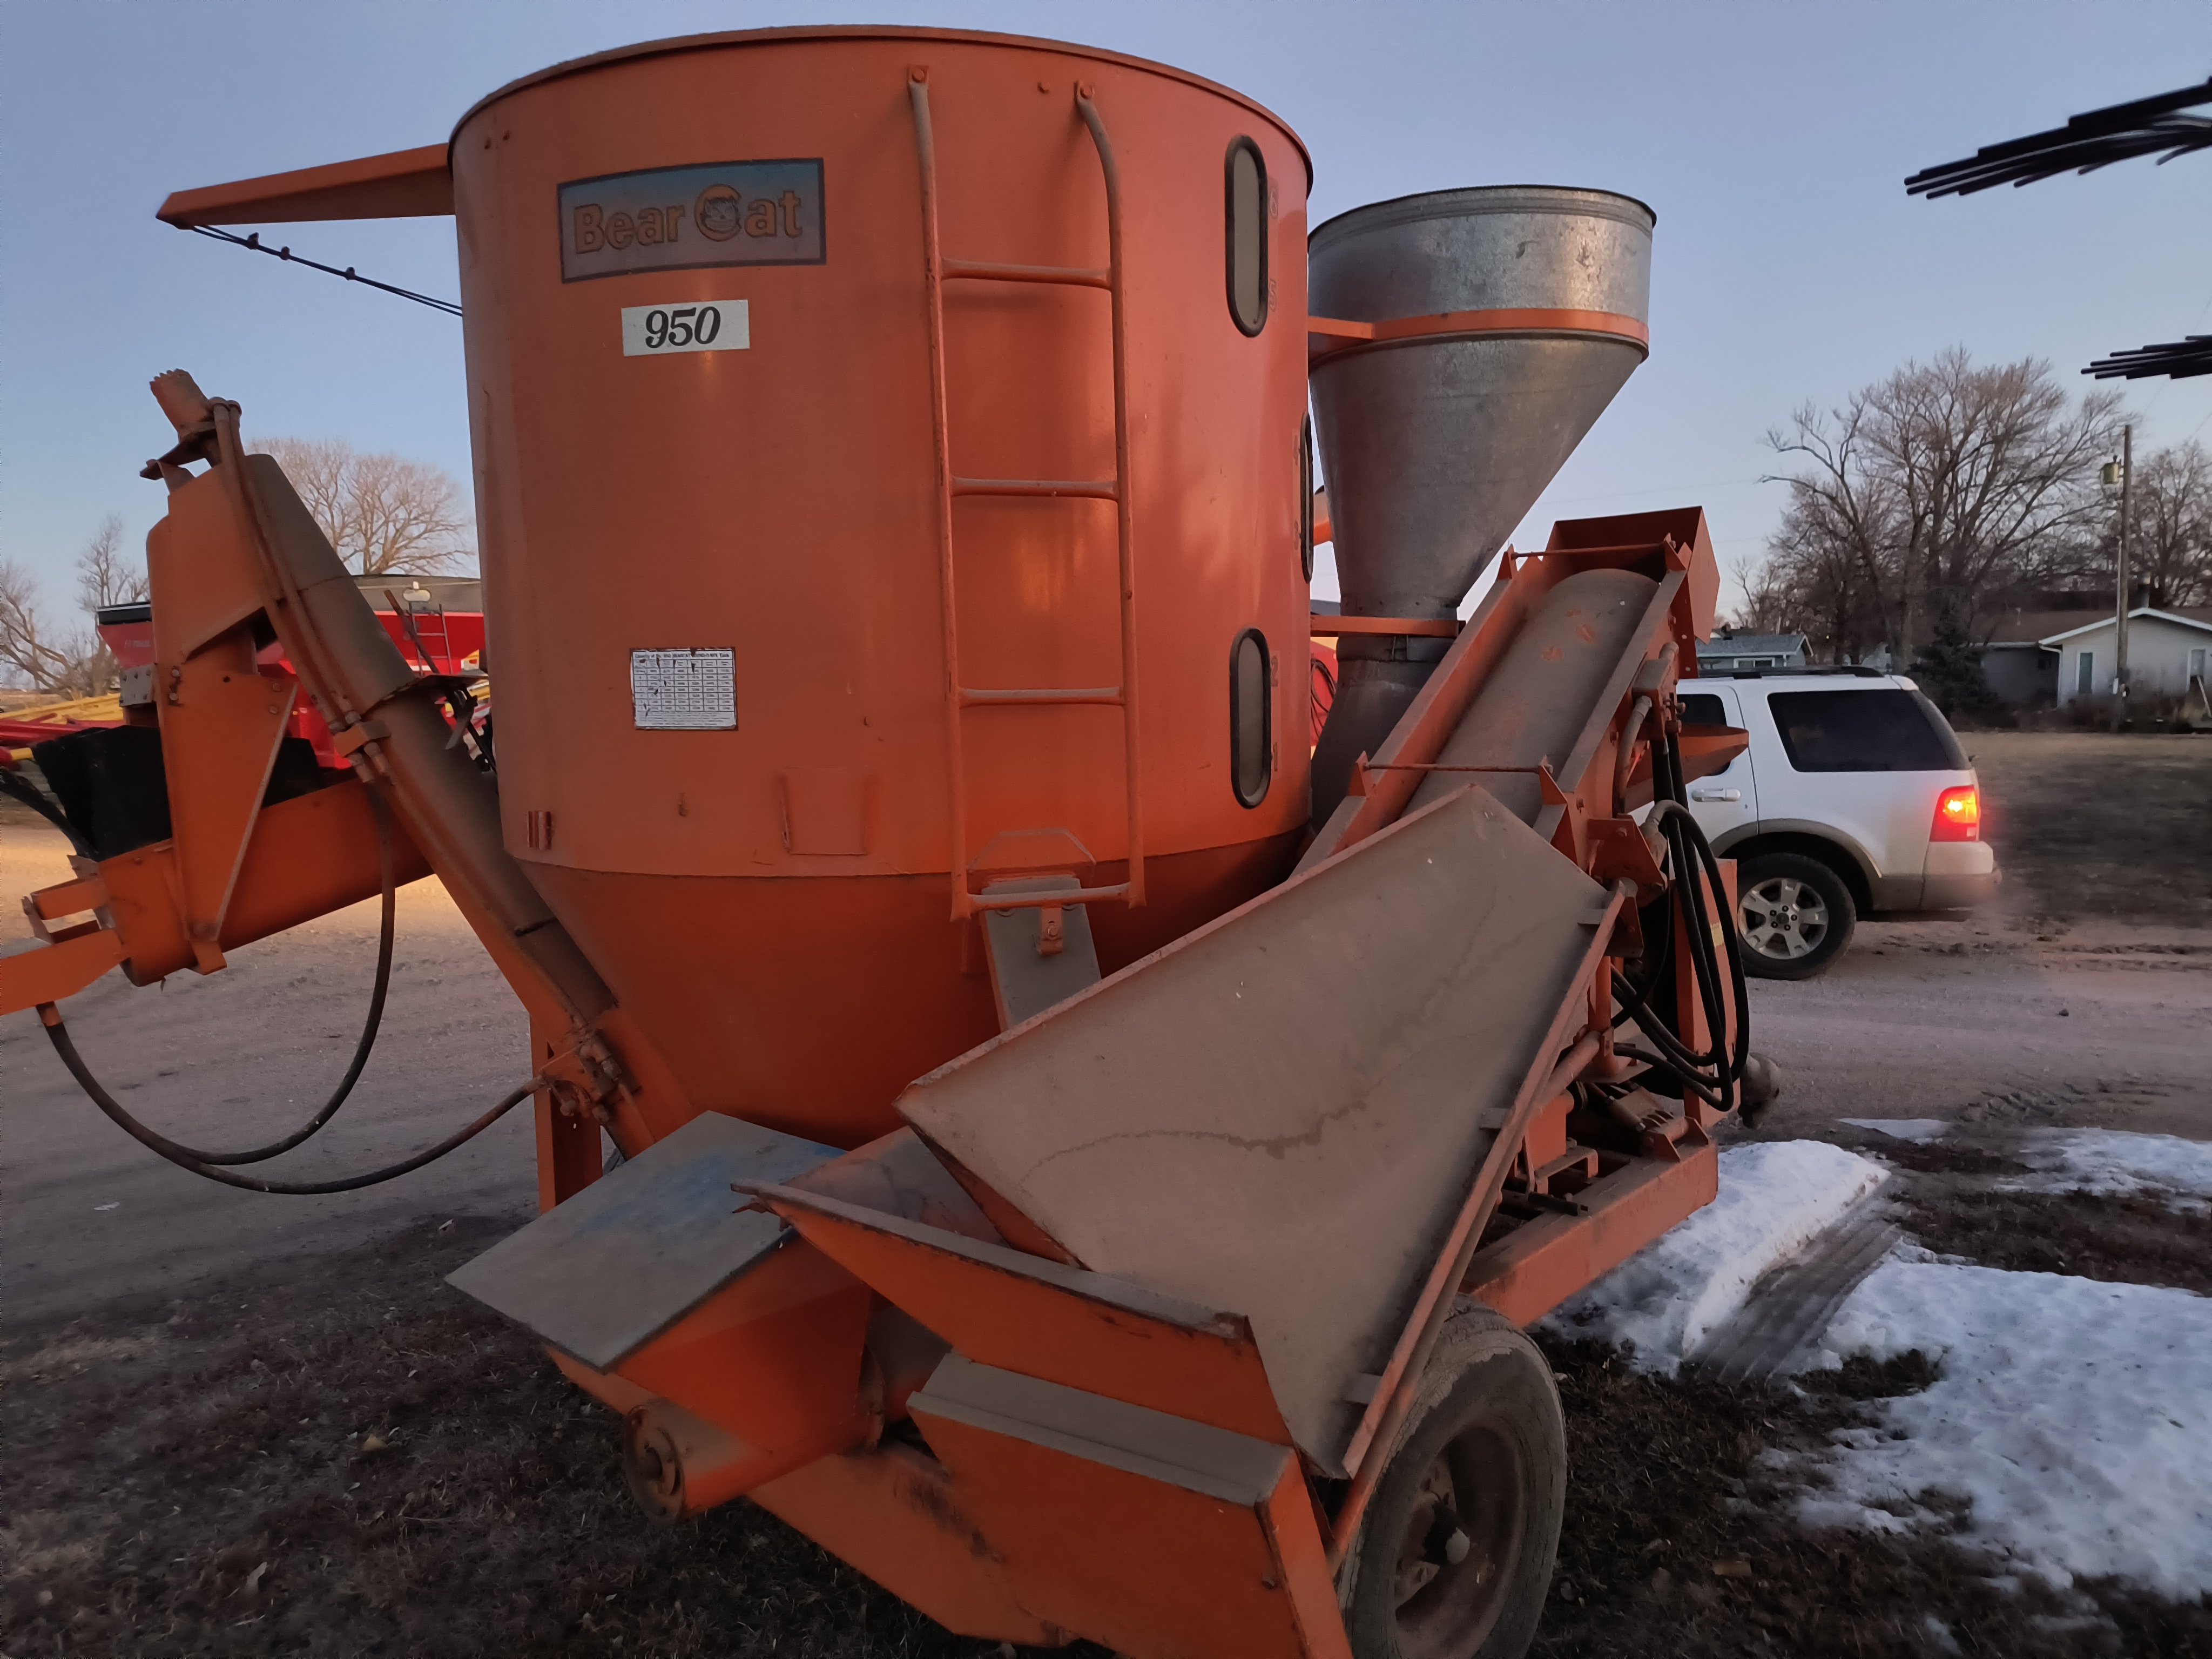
(1075, 1146)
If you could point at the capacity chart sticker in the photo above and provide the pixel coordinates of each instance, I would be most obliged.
(720, 213)
(701, 326)
(684, 690)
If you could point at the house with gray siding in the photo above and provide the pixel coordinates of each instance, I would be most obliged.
(2167, 652)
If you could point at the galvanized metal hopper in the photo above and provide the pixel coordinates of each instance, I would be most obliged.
(1503, 323)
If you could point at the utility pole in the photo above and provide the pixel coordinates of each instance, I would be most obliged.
(2120, 620)
(2120, 602)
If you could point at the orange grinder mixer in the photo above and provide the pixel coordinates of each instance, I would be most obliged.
(1076, 1172)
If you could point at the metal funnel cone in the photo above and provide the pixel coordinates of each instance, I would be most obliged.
(1434, 446)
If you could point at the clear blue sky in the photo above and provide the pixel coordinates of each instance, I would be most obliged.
(1772, 140)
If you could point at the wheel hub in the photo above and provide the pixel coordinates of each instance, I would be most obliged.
(1462, 1538)
(1782, 918)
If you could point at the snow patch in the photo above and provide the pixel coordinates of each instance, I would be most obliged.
(1918, 1130)
(2112, 1163)
(2074, 1415)
(1775, 1198)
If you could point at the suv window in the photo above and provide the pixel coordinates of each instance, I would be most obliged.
(1872, 730)
(1702, 709)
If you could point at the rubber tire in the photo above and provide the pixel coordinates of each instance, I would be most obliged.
(1835, 893)
(1484, 1376)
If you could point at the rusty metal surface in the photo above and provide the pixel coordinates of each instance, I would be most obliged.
(602, 1274)
(1279, 1114)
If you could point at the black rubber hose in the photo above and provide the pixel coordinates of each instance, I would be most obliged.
(1688, 1080)
(14, 783)
(1708, 974)
(361, 1052)
(1694, 852)
(183, 1158)
(1715, 1074)
(1679, 1057)
(1660, 950)
(1730, 936)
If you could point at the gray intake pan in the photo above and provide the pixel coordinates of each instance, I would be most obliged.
(1434, 446)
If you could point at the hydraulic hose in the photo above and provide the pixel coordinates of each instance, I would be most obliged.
(213, 1165)
(1713, 1075)
(13, 783)
(386, 929)
(183, 1158)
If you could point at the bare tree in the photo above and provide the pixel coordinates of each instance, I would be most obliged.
(1827, 560)
(76, 662)
(34, 656)
(1767, 603)
(382, 512)
(2171, 542)
(2170, 547)
(1930, 498)
(106, 574)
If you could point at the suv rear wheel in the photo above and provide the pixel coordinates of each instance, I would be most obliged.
(1794, 913)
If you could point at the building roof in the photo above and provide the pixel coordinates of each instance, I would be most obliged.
(1751, 645)
(2194, 616)
(2033, 627)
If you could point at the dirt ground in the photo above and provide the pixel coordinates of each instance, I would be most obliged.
(166, 1438)
(233, 1060)
(196, 1475)
(2091, 827)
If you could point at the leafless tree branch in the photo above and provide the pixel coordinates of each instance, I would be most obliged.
(383, 513)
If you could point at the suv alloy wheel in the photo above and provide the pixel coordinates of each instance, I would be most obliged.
(1795, 914)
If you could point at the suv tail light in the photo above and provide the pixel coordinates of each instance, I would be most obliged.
(1957, 815)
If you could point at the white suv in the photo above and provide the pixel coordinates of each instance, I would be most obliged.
(1853, 796)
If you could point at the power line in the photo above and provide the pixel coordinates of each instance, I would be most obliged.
(2116, 133)
(255, 243)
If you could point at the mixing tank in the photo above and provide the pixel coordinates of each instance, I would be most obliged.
(893, 509)
(1531, 303)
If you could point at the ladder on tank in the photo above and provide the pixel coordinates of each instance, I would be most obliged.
(937, 271)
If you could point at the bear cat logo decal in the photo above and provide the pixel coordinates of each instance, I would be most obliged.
(718, 213)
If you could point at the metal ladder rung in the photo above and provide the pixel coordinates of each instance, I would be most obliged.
(982, 270)
(1040, 901)
(1098, 489)
(971, 696)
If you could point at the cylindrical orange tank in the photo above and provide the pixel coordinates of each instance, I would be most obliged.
(715, 566)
